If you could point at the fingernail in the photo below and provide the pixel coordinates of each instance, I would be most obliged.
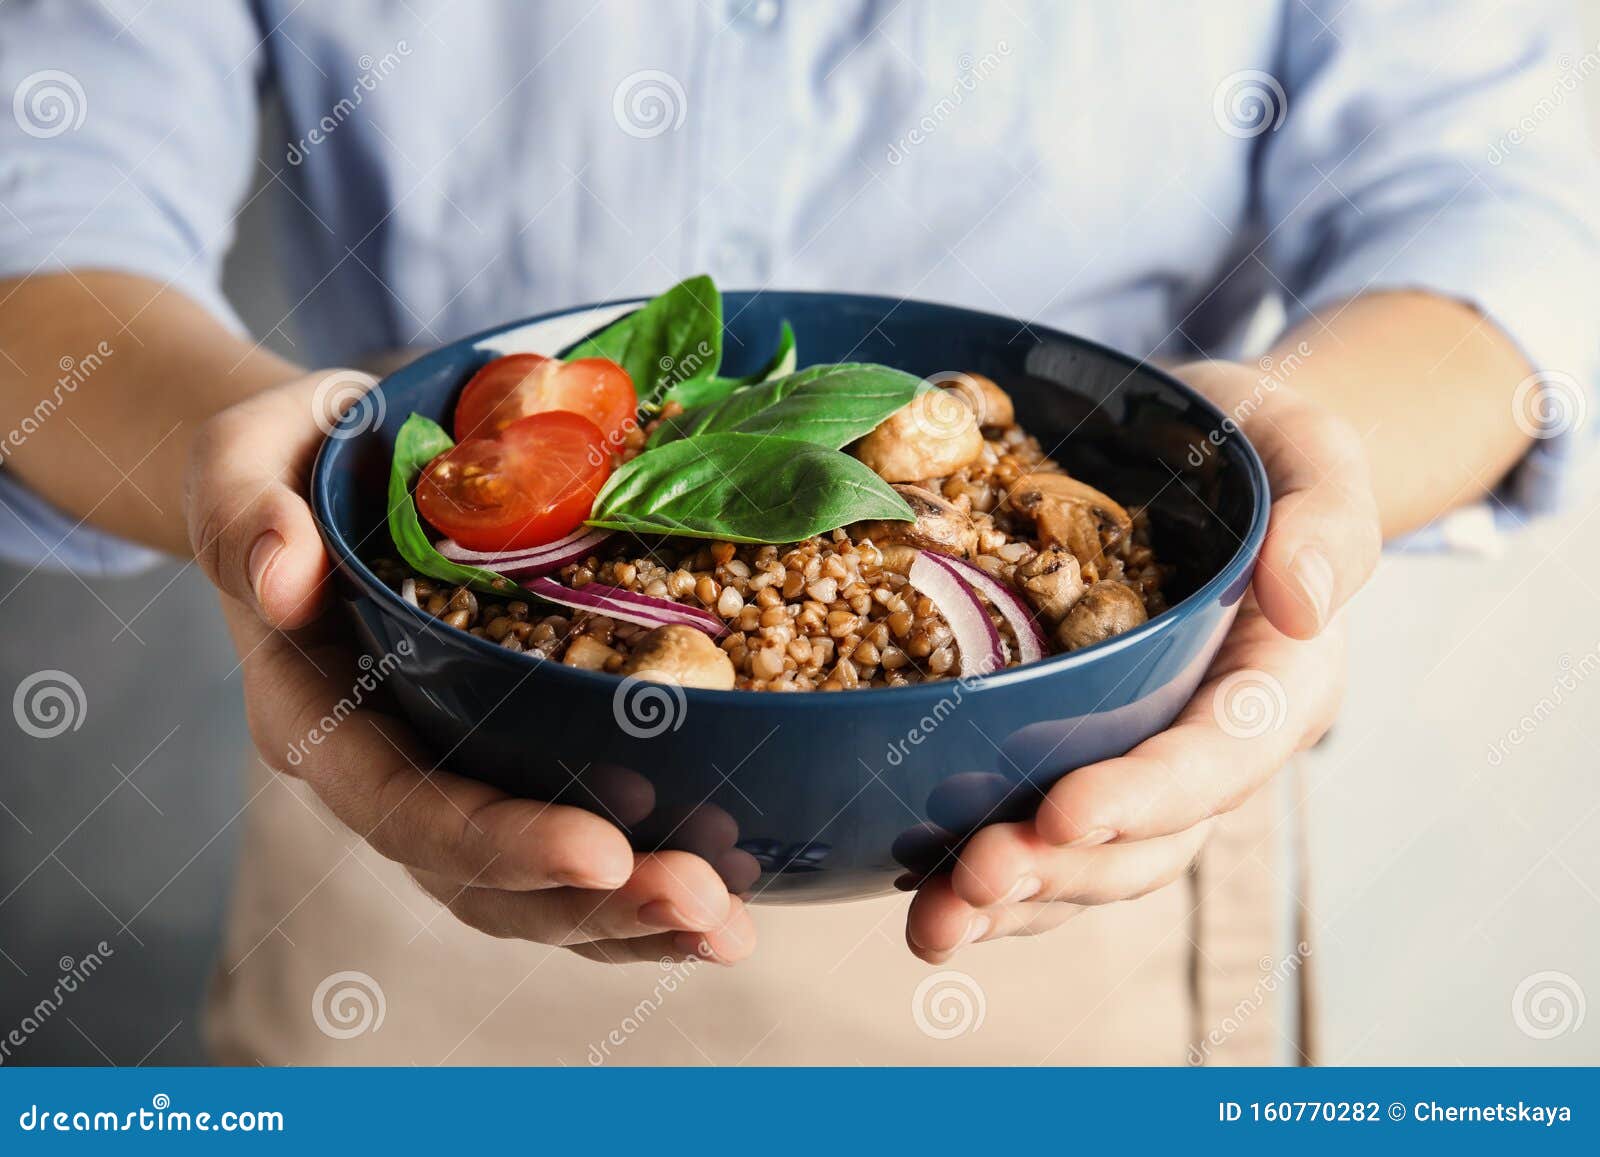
(693, 944)
(1024, 889)
(664, 914)
(587, 881)
(1093, 838)
(1314, 573)
(977, 929)
(262, 552)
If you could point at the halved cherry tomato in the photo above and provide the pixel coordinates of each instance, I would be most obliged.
(517, 385)
(532, 484)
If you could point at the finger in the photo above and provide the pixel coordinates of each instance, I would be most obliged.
(939, 922)
(369, 771)
(1324, 536)
(384, 789)
(1009, 864)
(730, 942)
(1267, 697)
(672, 891)
(249, 525)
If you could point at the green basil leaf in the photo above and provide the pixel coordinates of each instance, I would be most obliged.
(701, 392)
(744, 488)
(419, 442)
(671, 339)
(828, 405)
(782, 362)
(705, 391)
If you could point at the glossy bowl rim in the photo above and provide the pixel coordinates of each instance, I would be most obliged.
(1243, 557)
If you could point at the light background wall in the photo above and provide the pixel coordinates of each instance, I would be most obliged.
(1440, 882)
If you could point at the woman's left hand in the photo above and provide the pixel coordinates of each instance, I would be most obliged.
(1124, 827)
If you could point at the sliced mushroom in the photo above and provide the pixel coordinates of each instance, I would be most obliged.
(1072, 514)
(898, 558)
(933, 435)
(1105, 610)
(681, 655)
(989, 402)
(589, 653)
(1052, 582)
(939, 525)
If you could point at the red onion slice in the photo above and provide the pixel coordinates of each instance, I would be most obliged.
(616, 603)
(408, 592)
(1030, 640)
(975, 634)
(455, 552)
(532, 561)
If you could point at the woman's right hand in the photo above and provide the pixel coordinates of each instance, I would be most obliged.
(510, 867)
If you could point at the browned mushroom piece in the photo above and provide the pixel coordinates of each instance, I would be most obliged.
(1106, 609)
(897, 557)
(933, 435)
(1052, 582)
(1073, 514)
(590, 654)
(939, 525)
(681, 655)
(989, 402)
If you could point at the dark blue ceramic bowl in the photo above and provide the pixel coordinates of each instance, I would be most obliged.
(826, 796)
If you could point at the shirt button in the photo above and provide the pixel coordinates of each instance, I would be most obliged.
(754, 15)
(742, 258)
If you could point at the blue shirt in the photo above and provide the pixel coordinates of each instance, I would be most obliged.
(1140, 173)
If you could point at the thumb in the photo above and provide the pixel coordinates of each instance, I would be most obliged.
(1324, 537)
(1324, 534)
(249, 524)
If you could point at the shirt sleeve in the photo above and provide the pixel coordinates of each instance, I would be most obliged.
(129, 145)
(1442, 146)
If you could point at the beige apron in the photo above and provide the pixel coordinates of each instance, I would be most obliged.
(333, 956)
